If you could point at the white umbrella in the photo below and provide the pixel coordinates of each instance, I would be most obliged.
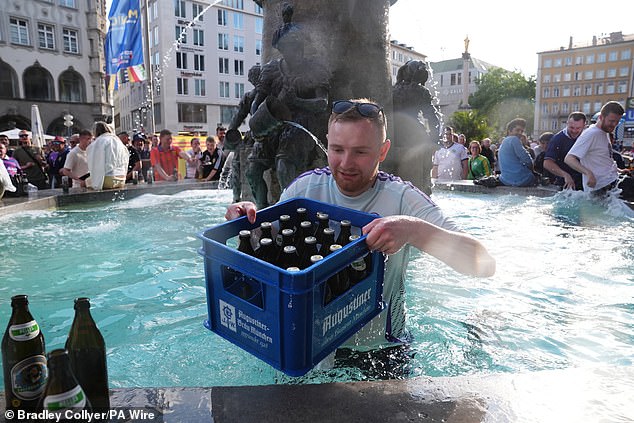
(13, 134)
(37, 132)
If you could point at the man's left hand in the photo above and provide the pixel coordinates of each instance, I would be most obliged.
(389, 234)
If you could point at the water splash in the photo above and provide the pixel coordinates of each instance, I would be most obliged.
(310, 134)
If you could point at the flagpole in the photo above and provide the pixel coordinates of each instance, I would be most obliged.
(150, 72)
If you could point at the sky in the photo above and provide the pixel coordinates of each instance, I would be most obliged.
(503, 33)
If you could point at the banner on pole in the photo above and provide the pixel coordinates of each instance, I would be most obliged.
(124, 44)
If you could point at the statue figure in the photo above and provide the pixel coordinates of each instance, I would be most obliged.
(416, 124)
(301, 87)
(466, 44)
(233, 139)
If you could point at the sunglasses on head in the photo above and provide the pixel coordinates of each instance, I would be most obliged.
(23, 135)
(369, 110)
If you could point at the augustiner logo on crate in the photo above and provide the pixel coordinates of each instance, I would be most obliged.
(358, 306)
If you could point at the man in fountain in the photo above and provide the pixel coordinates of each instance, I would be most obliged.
(558, 146)
(450, 161)
(592, 156)
(302, 85)
(357, 144)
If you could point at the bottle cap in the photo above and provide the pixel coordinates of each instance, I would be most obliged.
(316, 258)
(245, 233)
(82, 302)
(310, 240)
(287, 232)
(329, 231)
(335, 247)
(293, 269)
(346, 223)
(266, 241)
(265, 225)
(289, 249)
(305, 224)
(353, 238)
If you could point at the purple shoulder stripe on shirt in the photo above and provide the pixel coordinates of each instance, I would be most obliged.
(388, 177)
(318, 171)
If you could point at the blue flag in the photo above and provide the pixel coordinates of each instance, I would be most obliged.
(124, 44)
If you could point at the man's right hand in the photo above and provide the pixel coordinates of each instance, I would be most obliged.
(569, 183)
(243, 208)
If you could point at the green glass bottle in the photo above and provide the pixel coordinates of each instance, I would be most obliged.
(87, 354)
(63, 391)
(23, 359)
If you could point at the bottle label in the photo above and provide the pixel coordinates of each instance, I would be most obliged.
(28, 377)
(75, 398)
(24, 331)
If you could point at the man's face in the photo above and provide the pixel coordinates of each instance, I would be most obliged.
(355, 150)
(462, 139)
(3, 150)
(575, 128)
(166, 140)
(84, 141)
(4, 140)
(517, 131)
(196, 144)
(448, 139)
(25, 139)
(220, 133)
(125, 138)
(486, 142)
(211, 145)
(608, 123)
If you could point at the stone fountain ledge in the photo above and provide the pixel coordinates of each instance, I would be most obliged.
(465, 185)
(570, 395)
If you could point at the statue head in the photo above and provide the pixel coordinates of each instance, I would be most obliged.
(287, 13)
(415, 71)
(254, 74)
(291, 45)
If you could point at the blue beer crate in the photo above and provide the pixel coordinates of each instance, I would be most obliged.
(278, 316)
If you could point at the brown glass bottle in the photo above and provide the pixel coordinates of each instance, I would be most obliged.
(323, 222)
(344, 233)
(289, 258)
(23, 359)
(305, 229)
(63, 391)
(87, 352)
(339, 282)
(309, 249)
(327, 239)
(266, 230)
(360, 268)
(244, 244)
(267, 251)
(285, 222)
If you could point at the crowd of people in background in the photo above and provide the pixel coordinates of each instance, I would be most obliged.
(100, 159)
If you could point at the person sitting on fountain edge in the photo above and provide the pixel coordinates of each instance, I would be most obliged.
(357, 144)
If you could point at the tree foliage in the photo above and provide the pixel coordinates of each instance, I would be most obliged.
(503, 96)
(471, 123)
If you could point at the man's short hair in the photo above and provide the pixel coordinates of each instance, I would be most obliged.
(85, 133)
(165, 133)
(122, 133)
(577, 116)
(612, 107)
(514, 123)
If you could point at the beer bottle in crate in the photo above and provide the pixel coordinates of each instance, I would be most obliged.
(327, 239)
(301, 215)
(63, 391)
(285, 222)
(87, 353)
(289, 257)
(287, 239)
(266, 230)
(308, 250)
(345, 227)
(244, 244)
(339, 282)
(267, 251)
(360, 268)
(305, 229)
(323, 222)
(23, 359)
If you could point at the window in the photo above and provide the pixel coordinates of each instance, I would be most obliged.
(590, 59)
(259, 25)
(181, 34)
(599, 89)
(199, 87)
(179, 9)
(68, 3)
(565, 92)
(38, 84)
(199, 62)
(258, 47)
(223, 41)
(236, 4)
(548, 63)
(70, 38)
(577, 76)
(192, 112)
(155, 35)
(610, 88)
(624, 71)
(564, 108)
(258, 9)
(238, 43)
(546, 78)
(157, 58)
(71, 87)
(600, 74)
(182, 86)
(222, 17)
(587, 89)
(586, 107)
(545, 108)
(579, 60)
(588, 75)
(238, 67)
(19, 30)
(8, 81)
(223, 65)
(224, 89)
(546, 92)
(558, 62)
(576, 91)
(601, 58)
(197, 9)
(597, 106)
(556, 92)
(45, 36)
(626, 55)
(181, 60)
(228, 112)
(613, 56)
(555, 108)
(239, 90)
(568, 61)
(155, 9)
(611, 72)
(622, 87)
(567, 76)
(238, 20)
(199, 37)
(557, 77)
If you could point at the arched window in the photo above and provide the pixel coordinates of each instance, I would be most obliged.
(38, 83)
(8, 81)
(71, 87)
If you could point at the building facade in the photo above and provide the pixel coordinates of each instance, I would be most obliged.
(199, 55)
(399, 55)
(582, 77)
(449, 85)
(52, 55)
